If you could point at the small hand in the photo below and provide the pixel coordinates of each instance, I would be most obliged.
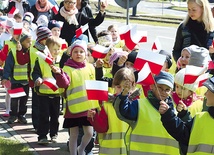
(181, 106)
(163, 107)
(103, 5)
(99, 63)
(55, 69)
(39, 82)
(3, 82)
(122, 60)
(91, 113)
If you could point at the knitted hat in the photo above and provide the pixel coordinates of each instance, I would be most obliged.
(42, 33)
(132, 56)
(81, 37)
(165, 78)
(24, 36)
(210, 84)
(199, 56)
(28, 17)
(79, 43)
(168, 57)
(179, 79)
(42, 21)
(53, 23)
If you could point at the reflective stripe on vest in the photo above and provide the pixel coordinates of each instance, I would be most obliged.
(202, 138)
(19, 71)
(46, 74)
(112, 141)
(77, 100)
(149, 136)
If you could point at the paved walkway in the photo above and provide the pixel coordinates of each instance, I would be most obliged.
(25, 134)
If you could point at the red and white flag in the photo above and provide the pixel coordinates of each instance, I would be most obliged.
(192, 73)
(51, 83)
(60, 24)
(145, 77)
(131, 36)
(64, 46)
(17, 92)
(12, 12)
(81, 30)
(55, 9)
(99, 51)
(202, 78)
(97, 90)
(155, 61)
(45, 57)
(17, 28)
(156, 47)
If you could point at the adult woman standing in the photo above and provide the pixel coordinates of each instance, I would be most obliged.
(42, 7)
(197, 28)
(73, 19)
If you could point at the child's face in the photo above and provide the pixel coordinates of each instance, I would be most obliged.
(55, 31)
(210, 98)
(161, 92)
(78, 54)
(54, 50)
(26, 26)
(114, 33)
(16, 37)
(165, 67)
(182, 92)
(27, 43)
(185, 57)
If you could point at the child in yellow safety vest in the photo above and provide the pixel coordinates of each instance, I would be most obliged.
(48, 94)
(196, 134)
(72, 77)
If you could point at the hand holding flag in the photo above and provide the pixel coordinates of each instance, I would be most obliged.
(17, 92)
(17, 28)
(12, 12)
(81, 30)
(51, 83)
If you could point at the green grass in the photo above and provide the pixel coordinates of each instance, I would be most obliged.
(11, 147)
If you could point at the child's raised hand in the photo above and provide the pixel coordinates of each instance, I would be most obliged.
(181, 106)
(3, 82)
(127, 86)
(18, 46)
(122, 60)
(99, 63)
(163, 107)
(55, 69)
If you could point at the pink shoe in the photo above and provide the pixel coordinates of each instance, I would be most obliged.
(6, 115)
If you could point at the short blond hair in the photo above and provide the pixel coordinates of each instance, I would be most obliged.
(52, 40)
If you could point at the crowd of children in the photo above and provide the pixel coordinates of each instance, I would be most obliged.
(156, 117)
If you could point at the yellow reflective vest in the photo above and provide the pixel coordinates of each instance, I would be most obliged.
(76, 96)
(112, 142)
(149, 136)
(19, 71)
(46, 74)
(201, 140)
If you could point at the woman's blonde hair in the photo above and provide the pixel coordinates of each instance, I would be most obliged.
(207, 17)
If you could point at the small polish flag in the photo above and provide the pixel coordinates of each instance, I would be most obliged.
(202, 78)
(45, 57)
(97, 90)
(99, 51)
(17, 92)
(192, 73)
(81, 30)
(156, 47)
(51, 83)
(155, 61)
(211, 65)
(17, 28)
(12, 12)
(1, 69)
(132, 37)
(145, 77)
(55, 9)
